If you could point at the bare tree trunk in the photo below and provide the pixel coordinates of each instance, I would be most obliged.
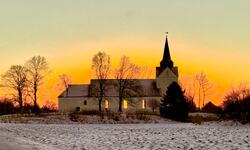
(35, 98)
(120, 95)
(199, 98)
(101, 96)
(20, 100)
(100, 104)
(204, 96)
(67, 92)
(120, 104)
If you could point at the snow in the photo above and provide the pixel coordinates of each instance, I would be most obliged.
(170, 135)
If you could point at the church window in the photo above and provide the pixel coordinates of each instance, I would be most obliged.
(143, 104)
(78, 108)
(85, 102)
(125, 104)
(106, 104)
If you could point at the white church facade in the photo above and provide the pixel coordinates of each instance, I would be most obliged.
(79, 97)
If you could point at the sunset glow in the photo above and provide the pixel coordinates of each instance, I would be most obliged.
(208, 36)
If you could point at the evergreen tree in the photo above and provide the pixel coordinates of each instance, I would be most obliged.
(174, 105)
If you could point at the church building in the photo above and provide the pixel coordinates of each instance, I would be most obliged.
(80, 97)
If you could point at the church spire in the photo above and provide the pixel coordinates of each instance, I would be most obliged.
(166, 61)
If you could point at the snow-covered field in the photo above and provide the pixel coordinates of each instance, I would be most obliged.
(128, 136)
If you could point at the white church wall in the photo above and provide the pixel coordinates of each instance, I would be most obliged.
(70, 104)
(133, 104)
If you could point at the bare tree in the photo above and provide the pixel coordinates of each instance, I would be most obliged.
(236, 103)
(244, 90)
(154, 104)
(101, 67)
(37, 68)
(238, 93)
(65, 80)
(16, 79)
(203, 87)
(124, 73)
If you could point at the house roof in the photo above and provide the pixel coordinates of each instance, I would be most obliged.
(210, 108)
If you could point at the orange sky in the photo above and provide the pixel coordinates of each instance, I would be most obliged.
(222, 73)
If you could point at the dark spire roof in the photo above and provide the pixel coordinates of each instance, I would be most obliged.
(166, 61)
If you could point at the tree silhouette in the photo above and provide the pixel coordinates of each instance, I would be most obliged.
(16, 78)
(237, 103)
(65, 80)
(101, 66)
(153, 104)
(37, 68)
(124, 74)
(203, 87)
(174, 105)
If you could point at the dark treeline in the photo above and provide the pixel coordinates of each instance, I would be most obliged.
(236, 105)
(7, 106)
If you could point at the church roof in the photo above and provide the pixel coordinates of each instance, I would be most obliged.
(76, 90)
(144, 88)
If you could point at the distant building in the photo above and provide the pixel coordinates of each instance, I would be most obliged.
(211, 108)
(81, 97)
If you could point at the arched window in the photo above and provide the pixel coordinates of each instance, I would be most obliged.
(125, 104)
(106, 104)
(143, 104)
(85, 102)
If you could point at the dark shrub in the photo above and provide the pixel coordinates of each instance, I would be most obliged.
(191, 105)
(89, 112)
(48, 107)
(27, 108)
(74, 117)
(7, 107)
(237, 105)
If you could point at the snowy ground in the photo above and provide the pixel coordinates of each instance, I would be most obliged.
(126, 136)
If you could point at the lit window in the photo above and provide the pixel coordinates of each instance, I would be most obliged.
(125, 104)
(106, 104)
(143, 104)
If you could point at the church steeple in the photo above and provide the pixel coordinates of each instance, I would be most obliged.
(166, 61)
(167, 73)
